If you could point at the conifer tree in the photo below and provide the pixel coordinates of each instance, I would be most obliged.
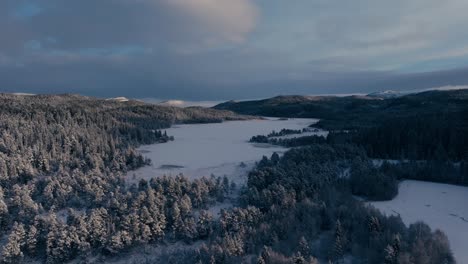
(31, 240)
(338, 247)
(12, 251)
(304, 247)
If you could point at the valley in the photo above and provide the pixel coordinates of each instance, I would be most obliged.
(219, 149)
(125, 181)
(233, 132)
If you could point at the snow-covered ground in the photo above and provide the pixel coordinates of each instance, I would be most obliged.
(219, 149)
(441, 206)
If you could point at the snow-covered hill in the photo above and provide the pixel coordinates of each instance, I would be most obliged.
(119, 99)
(177, 103)
(392, 94)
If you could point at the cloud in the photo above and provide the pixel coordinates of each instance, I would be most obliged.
(229, 48)
(227, 20)
(158, 24)
(383, 34)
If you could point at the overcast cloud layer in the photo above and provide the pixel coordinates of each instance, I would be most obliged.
(222, 49)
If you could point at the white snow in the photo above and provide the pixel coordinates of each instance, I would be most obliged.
(119, 99)
(180, 103)
(441, 206)
(219, 149)
(24, 94)
(393, 94)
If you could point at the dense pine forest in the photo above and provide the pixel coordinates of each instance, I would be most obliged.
(46, 134)
(63, 196)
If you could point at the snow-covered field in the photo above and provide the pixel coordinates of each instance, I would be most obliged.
(441, 206)
(219, 149)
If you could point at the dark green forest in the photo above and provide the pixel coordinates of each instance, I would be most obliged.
(427, 125)
(430, 126)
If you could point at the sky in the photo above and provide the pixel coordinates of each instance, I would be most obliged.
(230, 49)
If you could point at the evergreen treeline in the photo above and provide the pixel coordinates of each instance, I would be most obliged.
(435, 136)
(433, 171)
(285, 131)
(289, 142)
(272, 136)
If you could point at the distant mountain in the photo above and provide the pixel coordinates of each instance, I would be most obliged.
(296, 105)
(177, 103)
(119, 99)
(393, 94)
(352, 111)
(180, 103)
(386, 94)
(125, 109)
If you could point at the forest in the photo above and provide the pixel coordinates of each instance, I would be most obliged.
(299, 208)
(375, 176)
(63, 196)
(431, 127)
(62, 192)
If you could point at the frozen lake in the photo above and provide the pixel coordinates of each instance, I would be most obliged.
(219, 149)
(441, 206)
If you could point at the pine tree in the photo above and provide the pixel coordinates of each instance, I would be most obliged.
(189, 231)
(212, 260)
(204, 224)
(145, 234)
(177, 222)
(233, 245)
(304, 247)
(4, 216)
(12, 251)
(31, 240)
(116, 243)
(185, 206)
(299, 259)
(374, 225)
(392, 251)
(97, 226)
(275, 158)
(260, 260)
(338, 247)
(266, 253)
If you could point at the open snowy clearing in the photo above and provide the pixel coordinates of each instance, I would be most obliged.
(441, 206)
(219, 149)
